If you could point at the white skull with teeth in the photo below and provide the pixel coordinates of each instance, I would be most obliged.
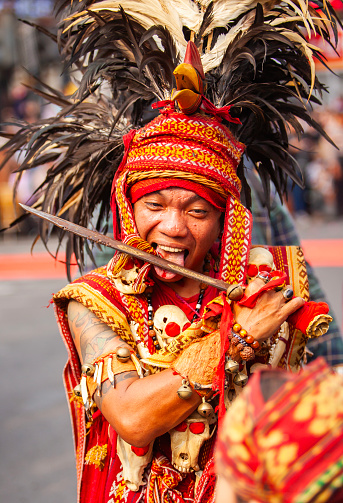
(169, 321)
(187, 439)
(126, 277)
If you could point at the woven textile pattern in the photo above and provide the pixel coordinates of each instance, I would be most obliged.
(163, 479)
(236, 242)
(290, 259)
(190, 144)
(96, 292)
(289, 449)
(125, 209)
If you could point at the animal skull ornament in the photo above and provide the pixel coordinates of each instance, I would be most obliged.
(187, 439)
(134, 460)
(169, 321)
(126, 277)
(260, 259)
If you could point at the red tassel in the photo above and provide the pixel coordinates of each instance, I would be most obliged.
(220, 113)
(303, 316)
(252, 299)
(219, 380)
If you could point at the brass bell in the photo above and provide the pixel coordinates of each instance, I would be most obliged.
(235, 292)
(240, 379)
(77, 390)
(88, 369)
(185, 391)
(123, 354)
(205, 409)
(231, 366)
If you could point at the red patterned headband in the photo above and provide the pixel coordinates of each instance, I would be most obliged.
(149, 185)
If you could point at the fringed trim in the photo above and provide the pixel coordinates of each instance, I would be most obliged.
(96, 456)
(75, 398)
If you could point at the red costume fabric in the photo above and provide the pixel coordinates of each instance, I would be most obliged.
(99, 478)
(98, 467)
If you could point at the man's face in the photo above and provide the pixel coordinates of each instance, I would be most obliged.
(180, 225)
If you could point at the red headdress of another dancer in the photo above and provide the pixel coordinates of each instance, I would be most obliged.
(282, 440)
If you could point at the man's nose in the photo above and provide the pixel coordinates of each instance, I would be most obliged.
(173, 224)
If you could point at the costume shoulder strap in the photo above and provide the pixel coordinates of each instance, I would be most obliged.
(96, 292)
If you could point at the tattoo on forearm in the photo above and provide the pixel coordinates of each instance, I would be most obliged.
(124, 376)
(93, 334)
(91, 348)
(84, 320)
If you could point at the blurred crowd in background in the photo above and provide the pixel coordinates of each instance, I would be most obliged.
(27, 54)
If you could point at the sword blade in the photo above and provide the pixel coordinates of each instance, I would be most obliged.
(99, 238)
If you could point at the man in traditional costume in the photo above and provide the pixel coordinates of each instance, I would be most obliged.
(180, 219)
(155, 358)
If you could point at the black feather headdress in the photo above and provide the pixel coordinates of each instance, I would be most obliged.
(257, 58)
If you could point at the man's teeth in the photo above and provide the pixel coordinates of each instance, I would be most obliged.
(170, 249)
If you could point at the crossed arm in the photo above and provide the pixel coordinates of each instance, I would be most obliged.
(142, 409)
(138, 409)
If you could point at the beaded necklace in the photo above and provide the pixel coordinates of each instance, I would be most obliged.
(148, 291)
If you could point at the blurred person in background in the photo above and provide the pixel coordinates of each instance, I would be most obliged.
(275, 227)
(332, 158)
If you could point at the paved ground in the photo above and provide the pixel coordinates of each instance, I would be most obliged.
(37, 461)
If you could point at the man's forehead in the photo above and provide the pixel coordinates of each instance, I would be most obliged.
(176, 194)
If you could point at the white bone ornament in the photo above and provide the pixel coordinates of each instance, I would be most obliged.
(276, 351)
(260, 256)
(187, 439)
(166, 317)
(133, 464)
(125, 279)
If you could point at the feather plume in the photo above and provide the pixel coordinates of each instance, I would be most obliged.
(257, 57)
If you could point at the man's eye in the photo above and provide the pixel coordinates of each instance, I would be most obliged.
(198, 212)
(153, 205)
